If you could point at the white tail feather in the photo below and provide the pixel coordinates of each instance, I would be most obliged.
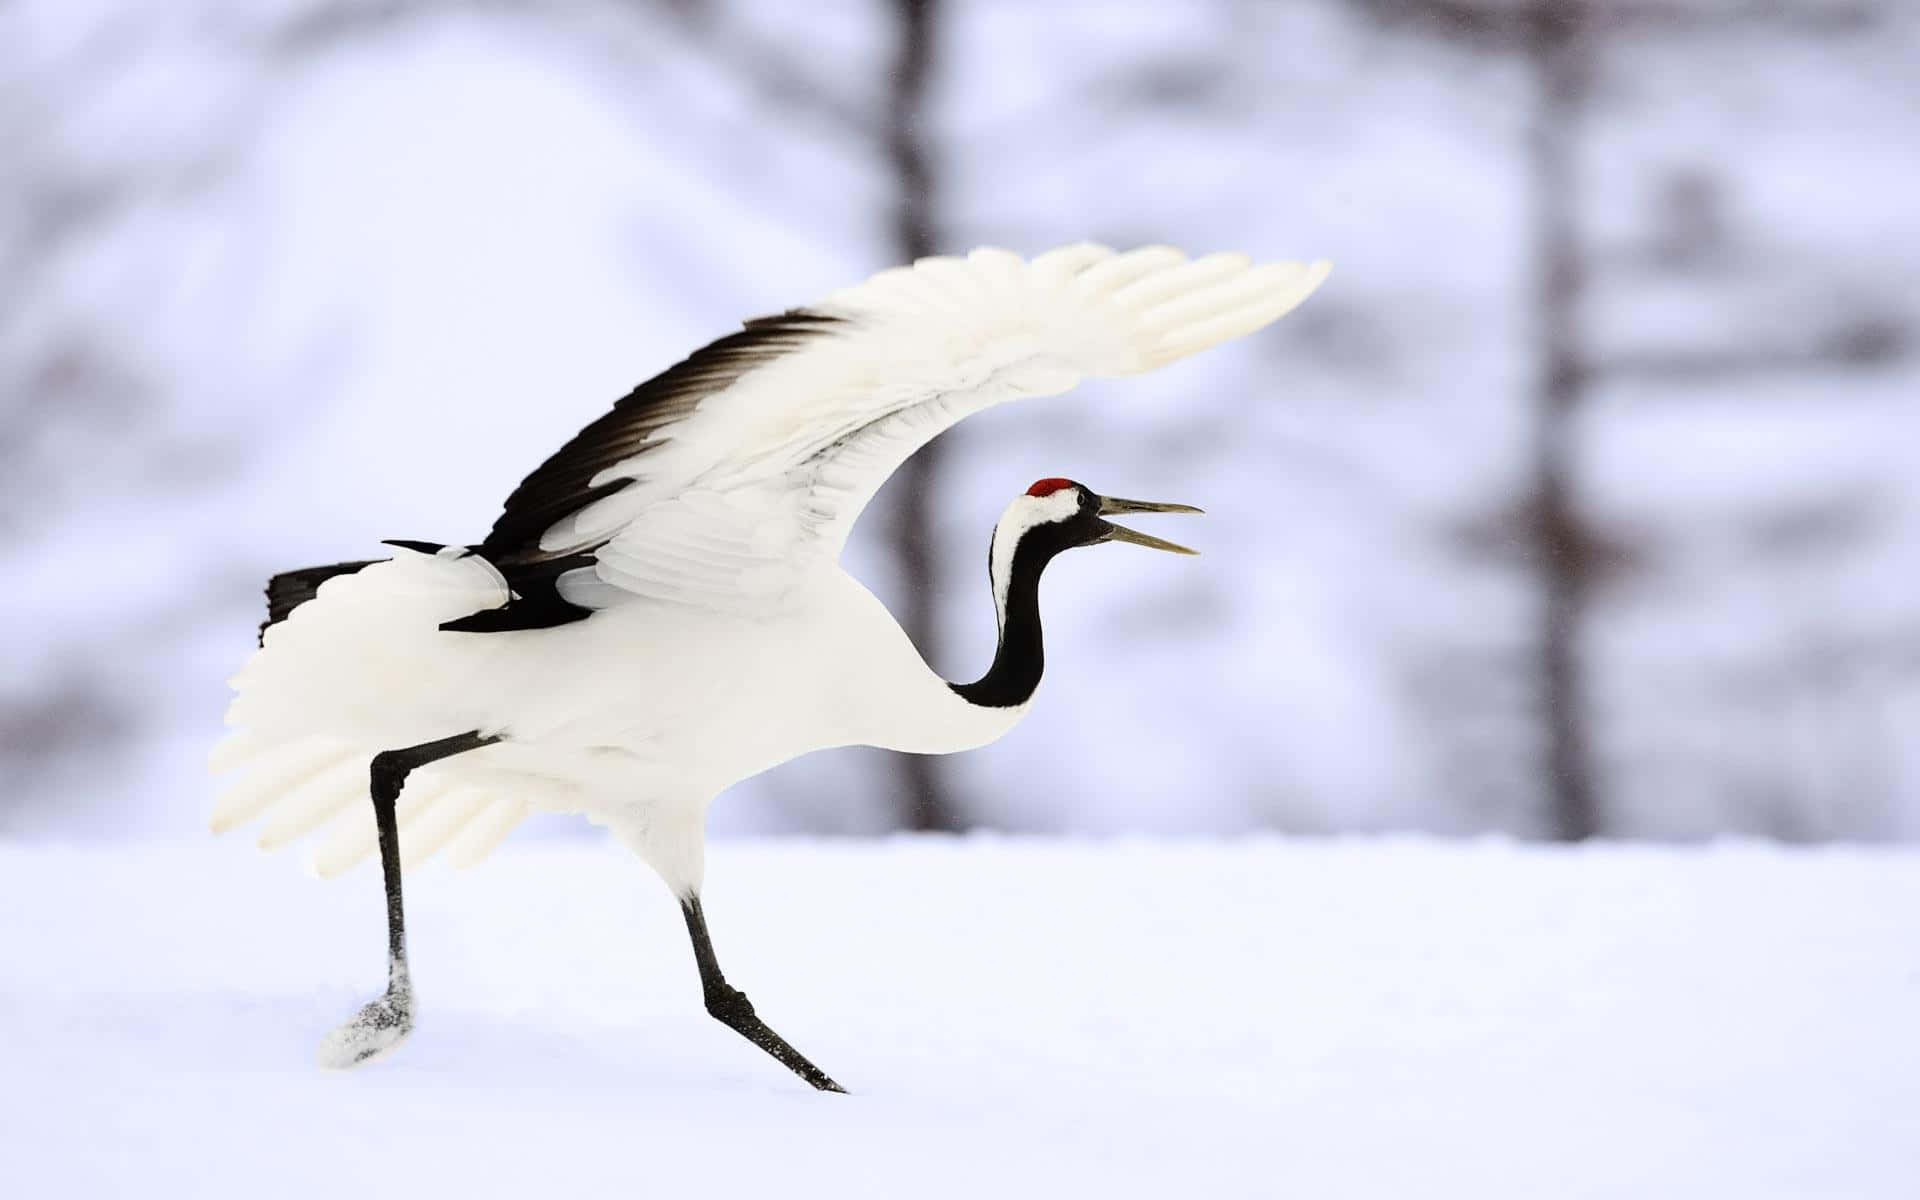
(486, 831)
(270, 772)
(307, 807)
(236, 749)
(435, 828)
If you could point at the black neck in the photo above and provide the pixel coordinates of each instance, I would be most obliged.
(1020, 658)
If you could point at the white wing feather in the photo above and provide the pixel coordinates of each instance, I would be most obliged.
(733, 504)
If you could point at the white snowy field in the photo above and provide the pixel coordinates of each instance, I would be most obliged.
(1012, 1017)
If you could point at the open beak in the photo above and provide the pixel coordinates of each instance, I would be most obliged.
(1114, 506)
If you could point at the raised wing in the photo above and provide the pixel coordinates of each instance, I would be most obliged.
(730, 477)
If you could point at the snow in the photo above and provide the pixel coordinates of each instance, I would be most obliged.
(1018, 1017)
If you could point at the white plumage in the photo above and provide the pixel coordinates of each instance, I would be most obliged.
(736, 511)
(691, 539)
(755, 492)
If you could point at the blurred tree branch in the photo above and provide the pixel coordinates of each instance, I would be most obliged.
(1513, 25)
(613, 28)
(776, 72)
(1560, 55)
(929, 803)
(1562, 40)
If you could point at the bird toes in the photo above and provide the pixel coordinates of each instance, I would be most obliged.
(370, 1033)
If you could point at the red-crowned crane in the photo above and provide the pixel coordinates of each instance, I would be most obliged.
(660, 612)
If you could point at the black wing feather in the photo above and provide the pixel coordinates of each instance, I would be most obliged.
(561, 486)
(558, 488)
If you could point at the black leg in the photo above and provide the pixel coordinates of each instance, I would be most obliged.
(731, 1007)
(383, 1023)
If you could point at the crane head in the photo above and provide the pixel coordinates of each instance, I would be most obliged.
(1064, 514)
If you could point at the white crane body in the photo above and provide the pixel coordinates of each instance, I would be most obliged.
(635, 717)
(660, 611)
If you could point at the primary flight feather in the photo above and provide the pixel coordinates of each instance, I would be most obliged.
(659, 611)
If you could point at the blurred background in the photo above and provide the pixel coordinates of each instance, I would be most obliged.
(1581, 501)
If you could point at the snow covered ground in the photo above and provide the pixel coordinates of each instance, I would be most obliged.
(1013, 1017)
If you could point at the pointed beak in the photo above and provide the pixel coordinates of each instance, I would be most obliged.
(1114, 506)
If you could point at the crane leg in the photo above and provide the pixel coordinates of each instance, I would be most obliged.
(730, 1006)
(384, 1023)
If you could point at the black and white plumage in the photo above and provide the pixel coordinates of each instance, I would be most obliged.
(660, 611)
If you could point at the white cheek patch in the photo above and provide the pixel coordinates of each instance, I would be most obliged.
(1023, 514)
